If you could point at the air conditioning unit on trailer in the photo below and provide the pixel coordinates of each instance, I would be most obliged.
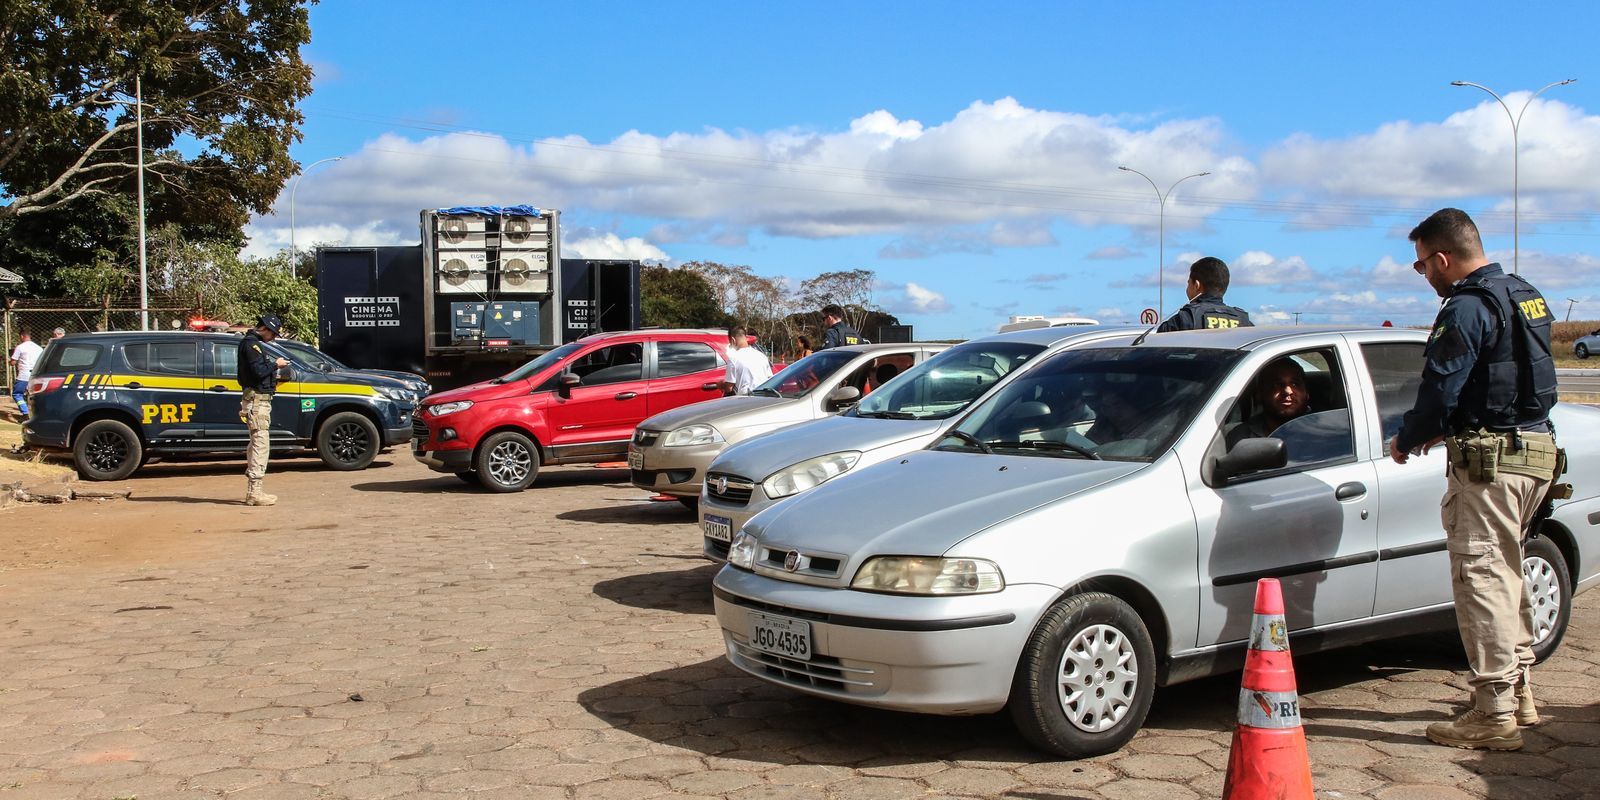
(524, 231)
(461, 231)
(463, 272)
(524, 271)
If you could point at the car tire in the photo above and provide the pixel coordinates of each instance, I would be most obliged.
(348, 441)
(1084, 682)
(107, 450)
(507, 462)
(1549, 587)
(1582, 350)
(691, 503)
(468, 476)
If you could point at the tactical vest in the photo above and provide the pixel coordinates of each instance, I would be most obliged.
(1208, 312)
(1500, 394)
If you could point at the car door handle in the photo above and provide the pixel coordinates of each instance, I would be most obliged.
(713, 385)
(133, 385)
(626, 395)
(1347, 491)
(219, 388)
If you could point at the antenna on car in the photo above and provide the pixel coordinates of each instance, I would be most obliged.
(1140, 340)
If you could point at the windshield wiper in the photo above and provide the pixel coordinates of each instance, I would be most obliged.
(969, 439)
(886, 415)
(764, 393)
(1050, 447)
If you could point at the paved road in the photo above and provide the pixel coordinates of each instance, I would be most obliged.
(559, 644)
(1573, 383)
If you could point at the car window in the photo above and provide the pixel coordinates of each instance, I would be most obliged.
(1396, 370)
(806, 374)
(174, 358)
(64, 357)
(225, 359)
(1306, 389)
(941, 386)
(878, 371)
(614, 364)
(1125, 403)
(683, 358)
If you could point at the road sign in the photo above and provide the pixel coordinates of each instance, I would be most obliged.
(1148, 317)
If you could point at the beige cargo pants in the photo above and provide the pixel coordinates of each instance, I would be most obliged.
(255, 408)
(1483, 523)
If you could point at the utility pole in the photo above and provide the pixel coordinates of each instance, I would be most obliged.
(1296, 317)
(1570, 303)
(144, 274)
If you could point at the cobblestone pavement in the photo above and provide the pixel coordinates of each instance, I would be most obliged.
(392, 633)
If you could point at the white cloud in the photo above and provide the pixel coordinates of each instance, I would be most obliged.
(911, 298)
(612, 246)
(1251, 268)
(1109, 253)
(997, 164)
(924, 300)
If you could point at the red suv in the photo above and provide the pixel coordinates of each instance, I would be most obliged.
(577, 404)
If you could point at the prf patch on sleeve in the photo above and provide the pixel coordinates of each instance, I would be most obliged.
(1446, 344)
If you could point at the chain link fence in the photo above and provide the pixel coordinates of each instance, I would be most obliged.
(41, 323)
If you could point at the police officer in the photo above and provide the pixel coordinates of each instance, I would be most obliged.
(1208, 282)
(1488, 383)
(838, 333)
(258, 375)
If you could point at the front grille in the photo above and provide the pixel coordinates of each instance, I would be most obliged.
(813, 564)
(730, 489)
(822, 672)
(419, 429)
(645, 438)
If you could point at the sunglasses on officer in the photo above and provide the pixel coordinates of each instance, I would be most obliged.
(1422, 266)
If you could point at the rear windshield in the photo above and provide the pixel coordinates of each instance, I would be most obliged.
(945, 384)
(72, 357)
(1120, 404)
(799, 378)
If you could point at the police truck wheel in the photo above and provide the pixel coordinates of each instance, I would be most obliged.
(1549, 587)
(1084, 683)
(107, 450)
(507, 462)
(347, 441)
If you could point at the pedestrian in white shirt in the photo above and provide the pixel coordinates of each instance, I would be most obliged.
(23, 358)
(748, 367)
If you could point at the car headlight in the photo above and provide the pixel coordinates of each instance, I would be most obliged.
(742, 553)
(928, 575)
(397, 394)
(449, 408)
(797, 478)
(691, 435)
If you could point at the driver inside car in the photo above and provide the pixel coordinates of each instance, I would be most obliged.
(1280, 395)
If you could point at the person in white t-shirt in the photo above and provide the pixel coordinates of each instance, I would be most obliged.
(748, 367)
(23, 359)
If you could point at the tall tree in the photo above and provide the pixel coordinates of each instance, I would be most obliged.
(678, 298)
(220, 78)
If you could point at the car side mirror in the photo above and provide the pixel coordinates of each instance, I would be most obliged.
(565, 383)
(1250, 455)
(842, 396)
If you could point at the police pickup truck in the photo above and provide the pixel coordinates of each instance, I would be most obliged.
(115, 399)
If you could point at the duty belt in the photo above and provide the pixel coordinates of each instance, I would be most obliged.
(1485, 454)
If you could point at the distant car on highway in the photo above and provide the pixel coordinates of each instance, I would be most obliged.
(1587, 345)
(1087, 533)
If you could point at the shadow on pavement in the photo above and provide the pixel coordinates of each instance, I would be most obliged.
(215, 501)
(643, 512)
(686, 590)
(714, 709)
(233, 466)
(450, 484)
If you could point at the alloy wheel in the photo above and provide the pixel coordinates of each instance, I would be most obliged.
(349, 442)
(509, 463)
(107, 451)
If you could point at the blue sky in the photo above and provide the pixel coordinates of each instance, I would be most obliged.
(969, 155)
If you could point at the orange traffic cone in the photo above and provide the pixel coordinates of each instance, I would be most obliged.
(1268, 758)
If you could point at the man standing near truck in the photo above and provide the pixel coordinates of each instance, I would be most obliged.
(258, 376)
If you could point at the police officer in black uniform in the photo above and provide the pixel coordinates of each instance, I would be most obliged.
(838, 333)
(1488, 384)
(258, 377)
(1208, 282)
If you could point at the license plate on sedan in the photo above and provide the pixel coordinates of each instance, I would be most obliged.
(719, 528)
(635, 458)
(780, 636)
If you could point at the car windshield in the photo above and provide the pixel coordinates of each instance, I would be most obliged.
(539, 364)
(311, 356)
(943, 385)
(799, 378)
(1123, 404)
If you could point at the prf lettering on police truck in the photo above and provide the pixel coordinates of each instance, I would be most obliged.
(167, 413)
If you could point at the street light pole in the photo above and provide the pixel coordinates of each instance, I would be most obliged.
(1161, 236)
(292, 190)
(1516, 124)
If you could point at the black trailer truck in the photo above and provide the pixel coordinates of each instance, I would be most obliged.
(476, 299)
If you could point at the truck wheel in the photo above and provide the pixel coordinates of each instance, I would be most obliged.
(1549, 588)
(107, 450)
(1084, 683)
(507, 462)
(347, 441)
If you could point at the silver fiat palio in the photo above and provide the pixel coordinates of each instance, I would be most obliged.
(1094, 528)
